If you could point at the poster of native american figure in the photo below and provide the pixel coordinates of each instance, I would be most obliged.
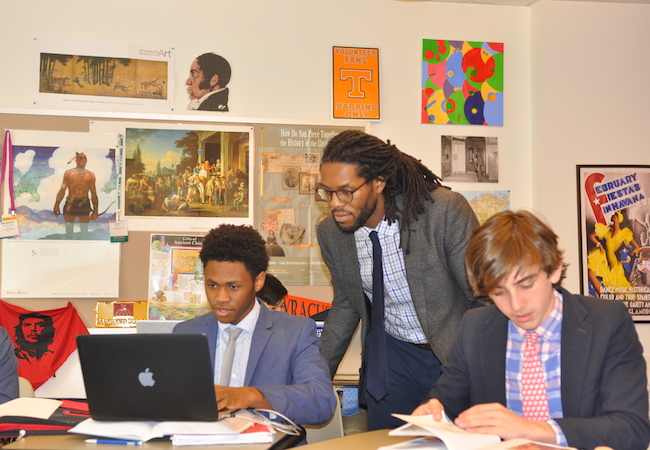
(65, 194)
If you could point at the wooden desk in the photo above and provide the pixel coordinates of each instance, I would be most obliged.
(370, 440)
(76, 442)
(362, 441)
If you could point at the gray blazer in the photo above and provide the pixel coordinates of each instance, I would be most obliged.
(604, 383)
(435, 271)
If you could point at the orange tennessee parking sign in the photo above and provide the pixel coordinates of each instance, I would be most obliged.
(356, 83)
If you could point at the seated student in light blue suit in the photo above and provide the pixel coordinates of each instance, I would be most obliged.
(277, 363)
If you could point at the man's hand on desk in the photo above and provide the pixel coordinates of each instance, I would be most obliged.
(240, 398)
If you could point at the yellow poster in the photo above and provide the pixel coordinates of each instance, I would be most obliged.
(356, 83)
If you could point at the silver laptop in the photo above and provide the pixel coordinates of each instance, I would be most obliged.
(151, 377)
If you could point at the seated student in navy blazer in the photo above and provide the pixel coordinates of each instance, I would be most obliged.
(594, 373)
(277, 363)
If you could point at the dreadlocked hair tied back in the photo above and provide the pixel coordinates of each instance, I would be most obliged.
(379, 160)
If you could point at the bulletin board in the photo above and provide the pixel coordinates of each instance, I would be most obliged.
(134, 254)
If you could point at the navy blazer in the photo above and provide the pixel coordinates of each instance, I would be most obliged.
(604, 383)
(284, 364)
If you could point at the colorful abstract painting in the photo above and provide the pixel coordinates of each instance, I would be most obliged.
(462, 82)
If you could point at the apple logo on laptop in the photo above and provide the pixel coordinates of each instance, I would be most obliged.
(146, 378)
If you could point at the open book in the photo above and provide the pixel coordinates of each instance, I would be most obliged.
(232, 428)
(445, 435)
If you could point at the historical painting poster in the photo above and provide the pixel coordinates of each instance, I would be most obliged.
(470, 159)
(184, 177)
(289, 209)
(355, 83)
(462, 82)
(103, 75)
(615, 234)
(65, 191)
(176, 287)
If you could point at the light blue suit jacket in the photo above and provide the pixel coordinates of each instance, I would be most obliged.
(284, 364)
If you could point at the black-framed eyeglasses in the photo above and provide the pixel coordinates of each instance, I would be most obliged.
(345, 195)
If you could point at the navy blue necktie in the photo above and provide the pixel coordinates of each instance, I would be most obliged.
(377, 364)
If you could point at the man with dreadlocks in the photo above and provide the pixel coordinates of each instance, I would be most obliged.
(423, 229)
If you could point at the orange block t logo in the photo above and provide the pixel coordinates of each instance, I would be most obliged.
(356, 83)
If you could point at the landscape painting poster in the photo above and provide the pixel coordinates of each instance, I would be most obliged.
(86, 74)
(615, 234)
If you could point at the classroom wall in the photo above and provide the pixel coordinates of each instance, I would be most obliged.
(573, 94)
(591, 106)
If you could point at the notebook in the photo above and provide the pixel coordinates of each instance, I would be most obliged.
(151, 377)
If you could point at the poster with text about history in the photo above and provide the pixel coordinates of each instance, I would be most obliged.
(355, 83)
(86, 74)
(462, 82)
(64, 187)
(184, 177)
(614, 231)
(176, 286)
(289, 209)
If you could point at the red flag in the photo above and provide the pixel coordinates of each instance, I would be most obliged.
(43, 340)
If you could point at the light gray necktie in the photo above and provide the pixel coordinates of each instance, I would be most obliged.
(229, 356)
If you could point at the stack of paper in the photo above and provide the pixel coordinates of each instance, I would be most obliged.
(221, 431)
(257, 434)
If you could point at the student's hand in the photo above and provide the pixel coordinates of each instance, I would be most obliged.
(494, 418)
(240, 398)
(433, 407)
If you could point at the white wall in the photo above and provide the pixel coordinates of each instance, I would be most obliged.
(281, 57)
(593, 96)
(575, 85)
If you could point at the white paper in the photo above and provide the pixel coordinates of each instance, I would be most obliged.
(38, 408)
(454, 437)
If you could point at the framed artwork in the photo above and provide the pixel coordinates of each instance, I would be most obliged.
(614, 227)
(185, 177)
(462, 82)
(103, 75)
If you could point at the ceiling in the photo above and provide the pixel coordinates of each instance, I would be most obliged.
(519, 2)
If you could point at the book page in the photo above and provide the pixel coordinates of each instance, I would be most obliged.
(38, 408)
(453, 437)
(137, 431)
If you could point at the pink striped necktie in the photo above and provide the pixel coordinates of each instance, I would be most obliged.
(533, 385)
